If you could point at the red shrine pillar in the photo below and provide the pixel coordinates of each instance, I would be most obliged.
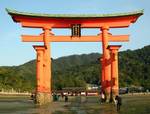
(102, 75)
(114, 70)
(47, 65)
(40, 88)
(106, 63)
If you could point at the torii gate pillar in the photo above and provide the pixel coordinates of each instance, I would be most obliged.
(102, 75)
(43, 90)
(47, 64)
(114, 70)
(106, 64)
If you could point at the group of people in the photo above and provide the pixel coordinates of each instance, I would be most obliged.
(117, 100)
(56, 97)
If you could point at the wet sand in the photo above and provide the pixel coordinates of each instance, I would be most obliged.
(24, 105)
(132, 104)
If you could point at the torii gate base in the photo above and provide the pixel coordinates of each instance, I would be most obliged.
(42, 98)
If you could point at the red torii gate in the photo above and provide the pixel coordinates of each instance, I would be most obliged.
(104, 22)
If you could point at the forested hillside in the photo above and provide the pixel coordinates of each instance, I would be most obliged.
(78, 70)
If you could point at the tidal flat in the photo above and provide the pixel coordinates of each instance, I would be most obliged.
(131, 104)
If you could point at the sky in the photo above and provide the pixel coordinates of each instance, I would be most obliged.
(15, 52)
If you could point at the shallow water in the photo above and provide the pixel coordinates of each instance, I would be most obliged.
(23, 105)
(16, 105)
(76, 105)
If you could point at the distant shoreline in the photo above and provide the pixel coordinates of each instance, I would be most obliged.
(15, 93)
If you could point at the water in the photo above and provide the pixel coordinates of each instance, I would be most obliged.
(23, 105)
(15, 105)
(137, 104)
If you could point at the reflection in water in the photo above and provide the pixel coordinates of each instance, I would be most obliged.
(22, 105)
(76, 105)
(15, 105)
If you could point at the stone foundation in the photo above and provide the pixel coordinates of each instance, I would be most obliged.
(43, 98)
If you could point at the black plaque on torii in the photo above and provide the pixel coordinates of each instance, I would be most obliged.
(75, 30)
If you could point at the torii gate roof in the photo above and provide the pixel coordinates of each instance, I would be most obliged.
(37, 20)
(14, 12)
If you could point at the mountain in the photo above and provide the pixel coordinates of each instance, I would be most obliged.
(77, 70)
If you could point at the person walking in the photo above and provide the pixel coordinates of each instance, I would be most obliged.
(102, 97)
(118, 102)
(66, 98)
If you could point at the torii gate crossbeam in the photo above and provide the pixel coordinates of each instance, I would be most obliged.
(98, 38)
